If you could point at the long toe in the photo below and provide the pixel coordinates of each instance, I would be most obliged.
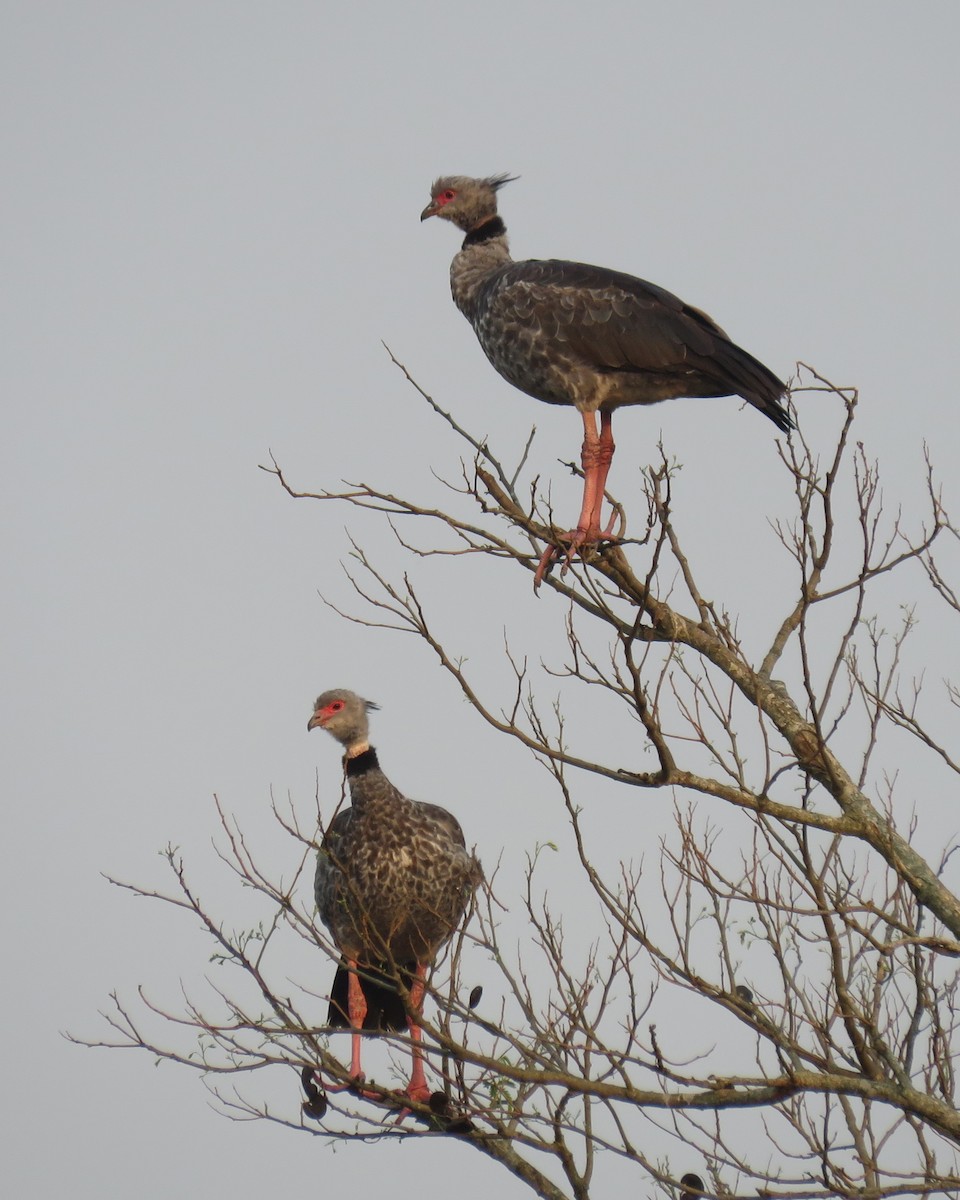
(419, 1093)
(543, 567)
(413, 1094)
(575, 540)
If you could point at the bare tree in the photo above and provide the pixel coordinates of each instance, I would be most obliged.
(772, 996)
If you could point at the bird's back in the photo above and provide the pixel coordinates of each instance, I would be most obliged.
(570, 333)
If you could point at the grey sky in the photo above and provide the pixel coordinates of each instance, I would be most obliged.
(209, 224)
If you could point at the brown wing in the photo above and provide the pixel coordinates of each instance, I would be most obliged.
(447, 822)
(612, 322)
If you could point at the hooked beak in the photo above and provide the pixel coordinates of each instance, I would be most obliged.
(430, 211)
(314, 721)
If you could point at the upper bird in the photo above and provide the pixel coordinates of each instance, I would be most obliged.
(569, 333)
(393, 882)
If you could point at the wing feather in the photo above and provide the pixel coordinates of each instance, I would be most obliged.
(612, 323)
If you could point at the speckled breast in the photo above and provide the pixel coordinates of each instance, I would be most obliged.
(391, 886)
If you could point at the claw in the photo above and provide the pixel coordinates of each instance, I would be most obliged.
(354, 1086)
(420, 1095)
(576, 539)
(316, 1091)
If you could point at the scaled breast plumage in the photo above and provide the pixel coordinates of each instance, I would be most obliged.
(393, 876)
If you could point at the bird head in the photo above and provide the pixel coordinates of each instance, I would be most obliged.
(467, 202)
(343, 715)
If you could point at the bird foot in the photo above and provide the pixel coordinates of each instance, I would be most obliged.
(576, 539)
(355, 1087)
(415, 1094)
(418, 1093)
(316, 1092)
(441, 1116)
(618, 518)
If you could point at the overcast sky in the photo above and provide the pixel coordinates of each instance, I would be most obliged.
(210, 221)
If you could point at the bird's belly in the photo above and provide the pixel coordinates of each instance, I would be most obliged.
(528, 366)
(394, 925)
(379, 908)
(556, 375)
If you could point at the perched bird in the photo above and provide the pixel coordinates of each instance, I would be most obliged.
(393, 881)
(568, 333)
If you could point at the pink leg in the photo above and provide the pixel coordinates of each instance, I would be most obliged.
(590, 462)
(356, 1011)
(596, 454)
(417, 1088)
(356, 1014)
(607, 447)
(595, 457)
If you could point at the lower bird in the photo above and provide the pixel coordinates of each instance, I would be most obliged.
(597, 339)
(394, 880)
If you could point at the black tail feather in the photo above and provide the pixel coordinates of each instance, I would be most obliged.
(385, 1008)
(746, 376)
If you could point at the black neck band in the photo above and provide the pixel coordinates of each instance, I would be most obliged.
(361, 763)
(483, 233)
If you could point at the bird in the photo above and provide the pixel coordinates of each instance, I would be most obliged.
(393, 882)
(590, 337)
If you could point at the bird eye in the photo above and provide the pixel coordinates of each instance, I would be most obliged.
(336, 706)
(448, 195)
